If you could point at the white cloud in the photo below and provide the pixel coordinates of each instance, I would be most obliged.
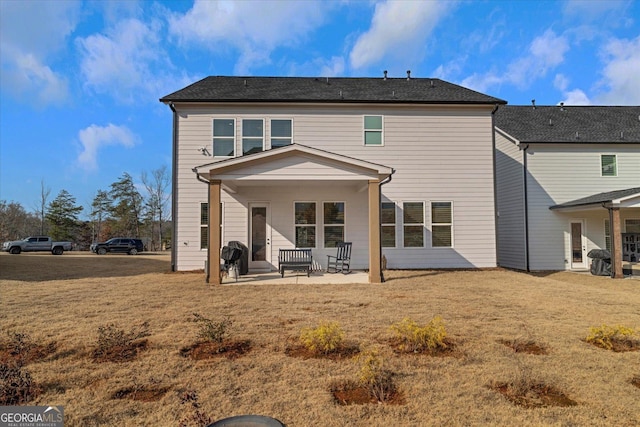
(621, 73)
(561, 82)
(95, 137)
(30, 33)
(255, 28)
(129, 63)
(399, 29)
(545, 53)
(576, 97)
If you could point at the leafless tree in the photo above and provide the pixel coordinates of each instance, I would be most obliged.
(158, 198)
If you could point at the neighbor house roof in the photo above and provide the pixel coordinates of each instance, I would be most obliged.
(330, 90)
(564, 124)
(600, 198)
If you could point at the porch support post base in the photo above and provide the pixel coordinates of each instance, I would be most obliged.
(374, 232)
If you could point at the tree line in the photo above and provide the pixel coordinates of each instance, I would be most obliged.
(120, 211)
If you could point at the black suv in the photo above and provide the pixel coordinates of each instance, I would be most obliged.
(118, 244)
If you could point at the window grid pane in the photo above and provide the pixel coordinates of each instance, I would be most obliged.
(332, 235)
(388, 236)
(607, 235)
(223, 147)
(334, 213)
(373, 122)
(305, 236)
(413, 236)
(608, 165)
(441, 220)
(632, 225)
(413, 213)
(204, 214)
(441, 236)
(441, 213)
(223, 127)
(305, 224)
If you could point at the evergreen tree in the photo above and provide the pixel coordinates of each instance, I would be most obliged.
(62, 214)
(100, 208)
(126, 207)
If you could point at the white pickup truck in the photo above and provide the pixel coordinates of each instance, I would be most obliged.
(36, 244)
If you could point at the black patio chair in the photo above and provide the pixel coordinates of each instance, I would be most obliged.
(341, 261)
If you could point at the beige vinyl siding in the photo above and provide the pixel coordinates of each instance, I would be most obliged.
(560, 173)
(438, 152)
(510, 204)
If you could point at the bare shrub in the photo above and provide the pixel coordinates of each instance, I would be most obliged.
(195, 416)
(211, 330)
(16, 385)
(116, 345)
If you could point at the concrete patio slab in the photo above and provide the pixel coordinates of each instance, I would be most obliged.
(298, 278)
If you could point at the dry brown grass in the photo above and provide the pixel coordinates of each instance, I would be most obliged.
(65, 300)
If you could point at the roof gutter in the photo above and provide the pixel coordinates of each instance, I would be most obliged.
(526, 208)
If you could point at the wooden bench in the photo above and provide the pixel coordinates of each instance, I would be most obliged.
(295, 259)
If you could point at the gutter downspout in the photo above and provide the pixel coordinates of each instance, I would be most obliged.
(174, 189)
(495, 181)
(526, 208)
(199, 178)
(383, 182)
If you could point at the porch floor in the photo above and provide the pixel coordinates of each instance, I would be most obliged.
(299, 278)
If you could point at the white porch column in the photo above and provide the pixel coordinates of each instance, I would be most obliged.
(374, 232)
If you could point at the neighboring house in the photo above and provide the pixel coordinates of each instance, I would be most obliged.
(401, 167)
(567, 181)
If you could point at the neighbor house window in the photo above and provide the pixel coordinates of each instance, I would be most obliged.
(607, 235)
(441, 225)
(224, 131)
(388, 224)
(373, 130)
(281, 132)
(204, 225)
(333, 221)
(305, 223)
(632, 225)
(413, 224)
(252, 136)
(608, 165)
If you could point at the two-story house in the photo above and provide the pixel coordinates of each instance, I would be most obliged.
(568, 181)
(401, 167)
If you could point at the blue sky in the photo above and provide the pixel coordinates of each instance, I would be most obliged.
(80, 80)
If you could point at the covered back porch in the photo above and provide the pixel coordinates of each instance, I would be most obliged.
(267, 196)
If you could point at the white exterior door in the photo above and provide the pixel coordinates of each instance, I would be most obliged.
(578, 245)
(259, 237)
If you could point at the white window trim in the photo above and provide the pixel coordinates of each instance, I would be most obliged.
(270, 129)
(424, 225)
(242, 137)
(364, 130)
(304, 225)
(615, 156)
(395, 225)
(431, 224)
(235, 137)
(344, 225)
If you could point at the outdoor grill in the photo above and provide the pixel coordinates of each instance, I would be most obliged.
(231, 255)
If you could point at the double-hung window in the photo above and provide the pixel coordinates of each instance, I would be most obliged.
(373, 131)
(632, 225)
(608, 165)
(333, 221)
(305, 224)
(413, 224)
(388, 224)
(441, 225)
(281, 132)
(224, 131)
(204, 225)
(252, 136)
(607, 235)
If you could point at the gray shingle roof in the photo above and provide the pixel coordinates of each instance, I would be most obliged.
(585, 124)
(333, 89)
(599, 198)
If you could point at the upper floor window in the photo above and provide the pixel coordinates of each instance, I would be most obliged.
(224, 131)
(388, 224)
(608, 165)
(441, 225)
(333, 220)
(281, 132)
(373, 130)
(413, 224)
(252, 136)
(305, 223)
